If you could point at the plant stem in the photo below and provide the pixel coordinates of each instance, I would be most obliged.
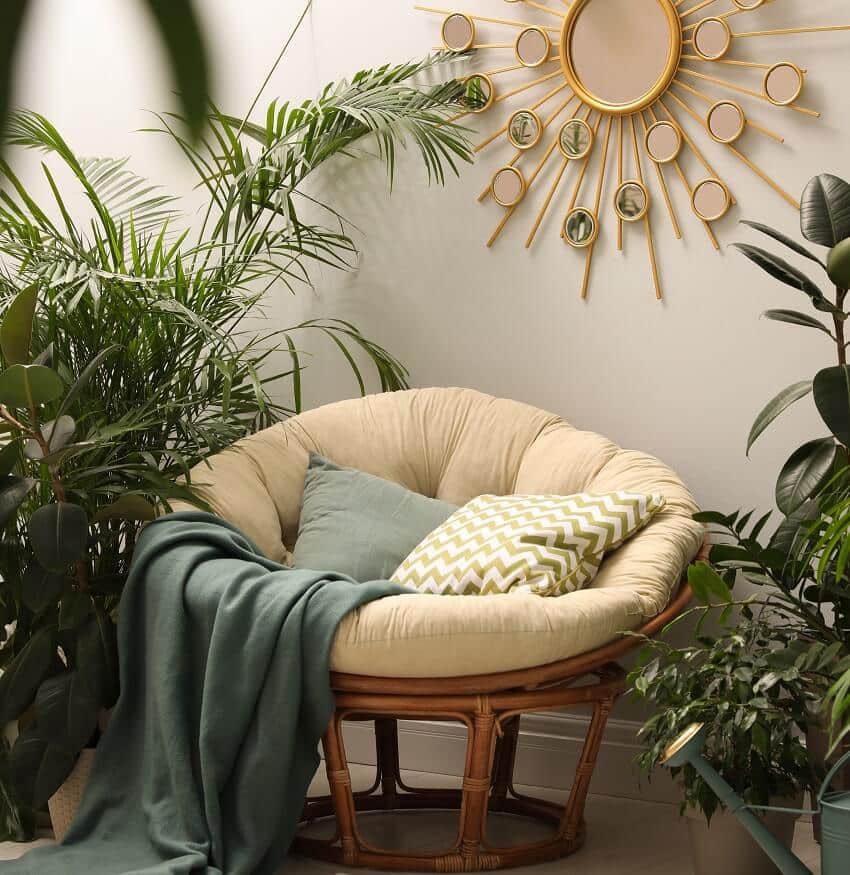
(840, 295)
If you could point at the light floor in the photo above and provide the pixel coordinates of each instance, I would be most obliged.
(624, 836)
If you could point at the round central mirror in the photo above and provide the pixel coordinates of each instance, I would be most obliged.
(619, 56)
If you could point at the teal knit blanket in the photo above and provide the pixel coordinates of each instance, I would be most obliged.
(225, 693)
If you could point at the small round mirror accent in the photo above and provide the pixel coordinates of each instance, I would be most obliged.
(458, 32)
(712, 38)
(783, 83)
(725, 121)
(508, 186)
(525, 129)
(748, 5)
(478, 92)
(663, 142)
(575, 139)
(532, 46)
(580, 228)
(631, 201)
(711, 200)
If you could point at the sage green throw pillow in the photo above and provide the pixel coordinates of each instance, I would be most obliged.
(358, 524)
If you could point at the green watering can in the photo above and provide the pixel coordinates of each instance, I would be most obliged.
(834, 809)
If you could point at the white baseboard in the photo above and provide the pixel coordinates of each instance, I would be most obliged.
(549, 749)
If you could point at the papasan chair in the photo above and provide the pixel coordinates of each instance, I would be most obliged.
(480, 660)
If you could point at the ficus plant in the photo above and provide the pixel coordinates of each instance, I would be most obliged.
(753, 704)
(55, 591)
(787, 585)
(824, 221)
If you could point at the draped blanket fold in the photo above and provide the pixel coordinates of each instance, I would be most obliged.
(224, 695)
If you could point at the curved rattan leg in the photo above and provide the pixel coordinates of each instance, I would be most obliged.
(386, 752)
(503, 763)
(572, 823)
(339, 779)
(487, 780)
(476, 782)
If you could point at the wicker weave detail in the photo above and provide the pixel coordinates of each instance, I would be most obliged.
(66, 800)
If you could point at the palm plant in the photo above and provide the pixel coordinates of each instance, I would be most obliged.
(128, 359)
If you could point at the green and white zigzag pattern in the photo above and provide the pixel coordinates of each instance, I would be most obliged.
(542, 544)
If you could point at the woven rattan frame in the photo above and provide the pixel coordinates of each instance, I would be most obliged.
(490, 706)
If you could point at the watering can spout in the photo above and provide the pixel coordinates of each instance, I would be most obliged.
(687, 750)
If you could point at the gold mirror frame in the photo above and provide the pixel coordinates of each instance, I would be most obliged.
(620, 133)
(674, 55)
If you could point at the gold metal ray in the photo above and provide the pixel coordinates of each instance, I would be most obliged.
(703, 96)
(514, 67)
(511, 210)
(696, 8)
(543, 8)
(741, 157)
(546, 122)
(724, 83)
(526, 85)
(588, 260)
(677, 231)
(684, 180)
(709, 169)
(653, 264)
(496, 134)
(550, 195)
(508, 22)
(620, 181)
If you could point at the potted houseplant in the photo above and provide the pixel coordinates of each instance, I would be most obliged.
(126, 360)
(779, 593)
(754, 716)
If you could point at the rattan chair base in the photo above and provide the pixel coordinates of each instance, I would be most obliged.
(490, 708)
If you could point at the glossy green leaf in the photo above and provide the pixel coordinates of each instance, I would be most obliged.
(9, 457)
(16, 330)
(804, 473)
(37, 768)
(795, 317)
(825, 210)
(97, 654)
(838, 264)
(791, 527)
(784, 239)
(13, 491)
(776, 406)
(56, 434)
(41, 588)
(128, 507)
(66, 710)
(59, 534)
(74, 610)
(180, 32)
(21, 679)
(781, 270)
(708, 586)
(832, 397)
(28, 386)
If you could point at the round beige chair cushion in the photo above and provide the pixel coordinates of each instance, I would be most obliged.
(455, 444)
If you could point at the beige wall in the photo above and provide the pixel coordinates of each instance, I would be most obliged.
(682, 379)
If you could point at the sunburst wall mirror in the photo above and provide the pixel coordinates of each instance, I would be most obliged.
(618, 77)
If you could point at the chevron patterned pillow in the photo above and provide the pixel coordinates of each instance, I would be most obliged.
(548, 545)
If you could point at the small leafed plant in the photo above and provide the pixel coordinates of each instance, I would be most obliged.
(752, 703)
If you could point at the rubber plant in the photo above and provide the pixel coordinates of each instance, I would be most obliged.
(795, 575)
(128, 357)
